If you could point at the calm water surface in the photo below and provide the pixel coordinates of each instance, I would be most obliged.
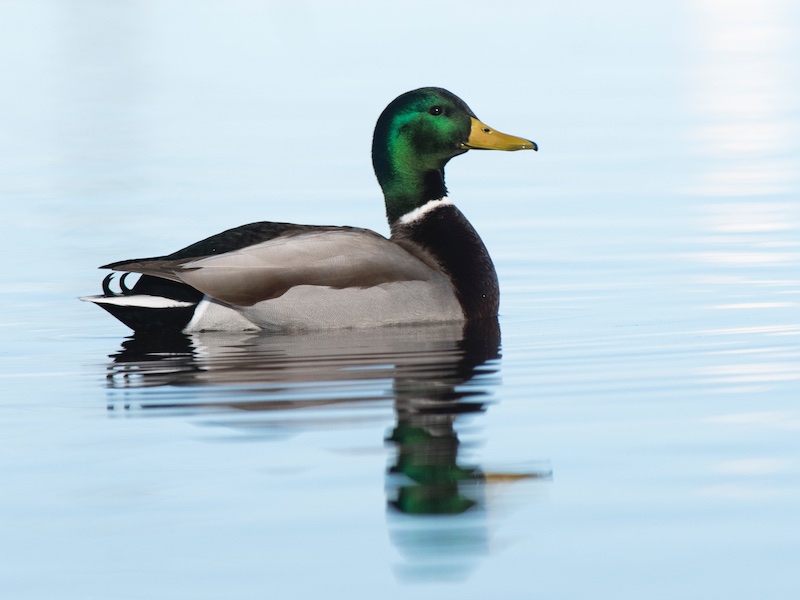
(630, 426)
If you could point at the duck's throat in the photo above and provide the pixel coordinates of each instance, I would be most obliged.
(405, 192)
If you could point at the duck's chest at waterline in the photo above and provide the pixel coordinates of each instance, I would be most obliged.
(443, 234)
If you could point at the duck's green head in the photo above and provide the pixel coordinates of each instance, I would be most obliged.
(415, 137)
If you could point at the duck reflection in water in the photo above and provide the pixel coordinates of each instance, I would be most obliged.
(427, 405)
(435, 375)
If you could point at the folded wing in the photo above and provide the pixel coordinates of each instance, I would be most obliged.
(319, 256)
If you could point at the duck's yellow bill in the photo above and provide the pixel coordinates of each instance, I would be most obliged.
(483, 137)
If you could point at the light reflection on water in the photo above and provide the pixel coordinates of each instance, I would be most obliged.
(746, 128)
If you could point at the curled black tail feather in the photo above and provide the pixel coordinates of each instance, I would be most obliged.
(151, 286)
(124, 290)
(107, 293)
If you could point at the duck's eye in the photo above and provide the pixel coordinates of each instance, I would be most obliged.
(436, 110)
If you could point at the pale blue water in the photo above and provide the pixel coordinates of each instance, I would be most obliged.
(634, 432)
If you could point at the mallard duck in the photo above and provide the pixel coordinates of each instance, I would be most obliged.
(281, 276)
